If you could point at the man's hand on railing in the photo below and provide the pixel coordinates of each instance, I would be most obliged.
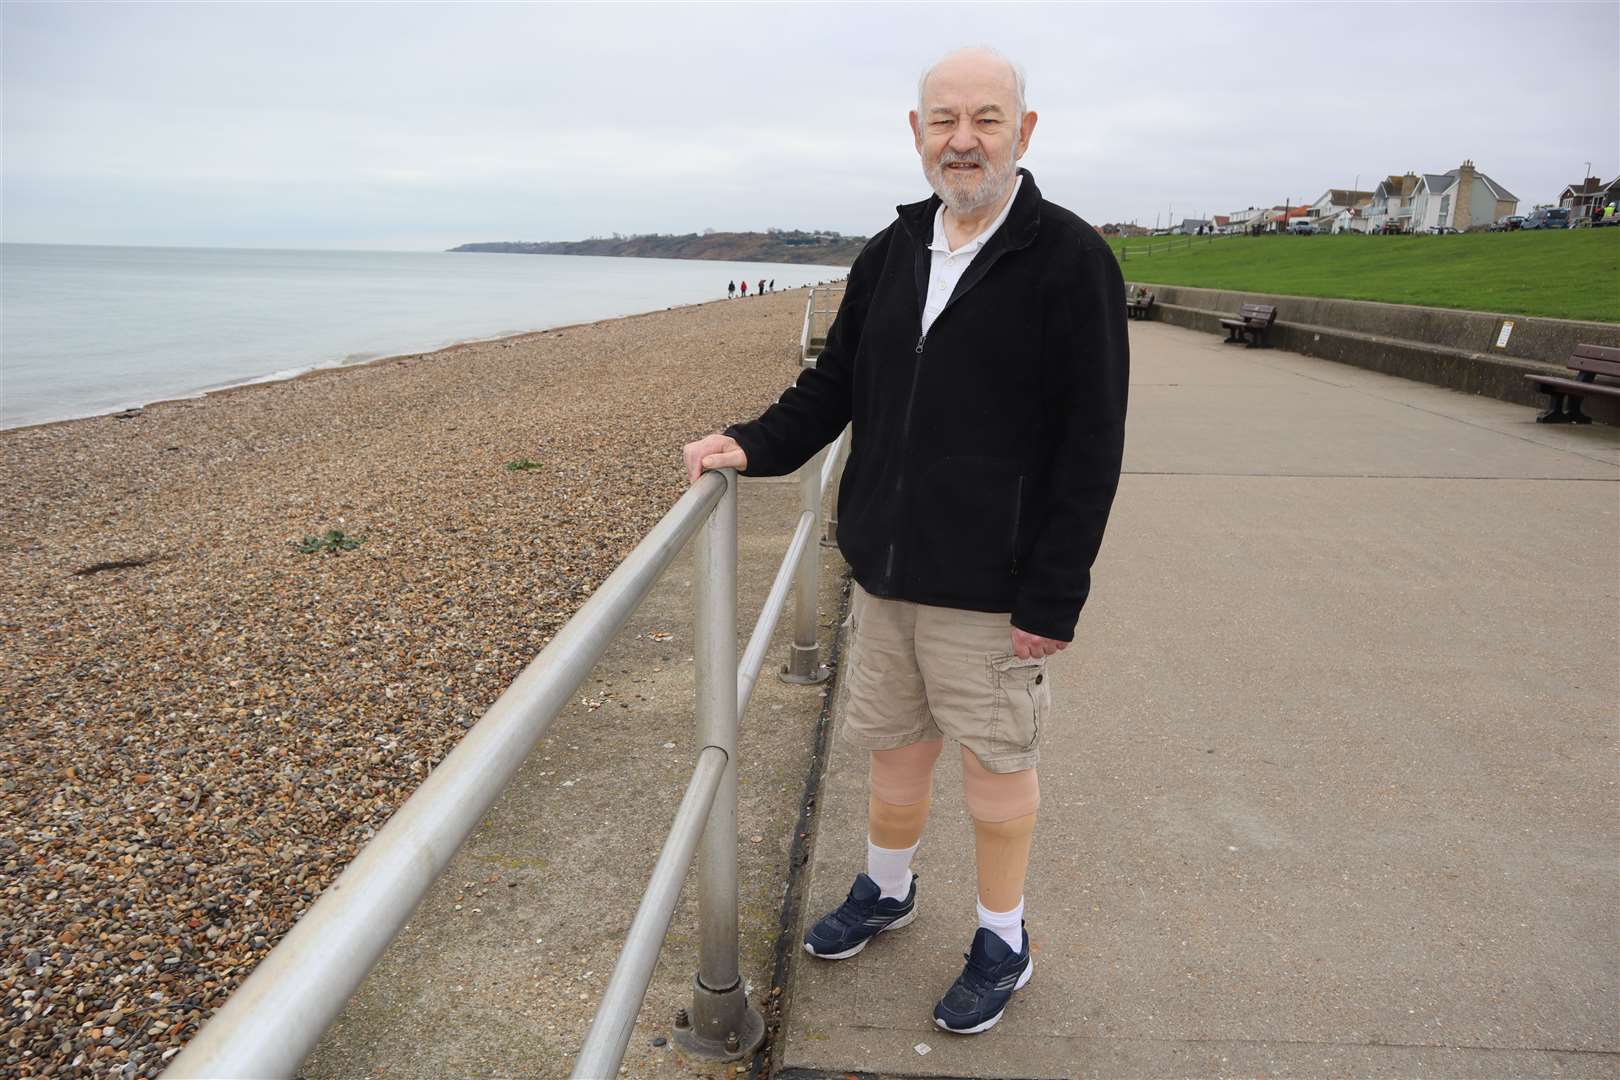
(712, 452)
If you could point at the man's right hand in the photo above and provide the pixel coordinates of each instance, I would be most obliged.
(712, 452)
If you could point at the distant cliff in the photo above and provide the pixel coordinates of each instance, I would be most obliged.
(776, 246)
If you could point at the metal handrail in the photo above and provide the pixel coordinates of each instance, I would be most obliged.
(276, 1017)
(604, 1046)
(804, 335)
(811, 310)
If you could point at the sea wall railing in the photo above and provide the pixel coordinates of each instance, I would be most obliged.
(276, 1017)
(818, 316)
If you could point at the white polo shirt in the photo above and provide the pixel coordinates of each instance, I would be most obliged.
(946, 266)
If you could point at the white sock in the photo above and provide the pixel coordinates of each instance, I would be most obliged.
(1006, 925)
(890, 868)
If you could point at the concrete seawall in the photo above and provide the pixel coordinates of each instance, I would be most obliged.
(1443, 346)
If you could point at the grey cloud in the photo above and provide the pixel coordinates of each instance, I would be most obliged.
(422, 125)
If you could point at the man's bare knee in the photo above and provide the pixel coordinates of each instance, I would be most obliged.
(904, 776)
(995, 797)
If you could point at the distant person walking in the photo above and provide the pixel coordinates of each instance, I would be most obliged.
(761, 291)
(745, 290)
(731, 290)
(773, 284)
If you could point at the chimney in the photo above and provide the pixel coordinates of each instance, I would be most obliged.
(1462, 210)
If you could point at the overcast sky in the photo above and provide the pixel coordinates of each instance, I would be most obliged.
(422, 126)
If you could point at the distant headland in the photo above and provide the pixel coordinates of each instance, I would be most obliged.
(775, 245)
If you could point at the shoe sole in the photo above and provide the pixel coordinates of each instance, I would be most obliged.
(1029, 969)
(904, 920)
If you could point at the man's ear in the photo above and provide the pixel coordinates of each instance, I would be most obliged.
(916, 131)
(1025, 130)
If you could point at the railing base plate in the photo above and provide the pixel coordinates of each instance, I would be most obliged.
(819, 675)
(723, 1027)
(804, 667)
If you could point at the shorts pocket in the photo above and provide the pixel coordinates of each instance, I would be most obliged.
(1023, 698)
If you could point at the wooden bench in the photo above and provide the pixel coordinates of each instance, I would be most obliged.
(1138, 304)
(1565, 394)
(1254, 323)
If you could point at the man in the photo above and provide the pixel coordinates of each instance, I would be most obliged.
(980, 356)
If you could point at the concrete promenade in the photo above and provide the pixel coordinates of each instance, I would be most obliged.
(1330, 784)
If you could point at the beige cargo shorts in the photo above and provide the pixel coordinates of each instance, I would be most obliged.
(916, 672)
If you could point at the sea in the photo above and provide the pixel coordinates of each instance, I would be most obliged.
(90, 330)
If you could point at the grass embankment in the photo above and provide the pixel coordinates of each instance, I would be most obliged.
(1567, 274)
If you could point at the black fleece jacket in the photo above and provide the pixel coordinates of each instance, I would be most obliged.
(984, 456)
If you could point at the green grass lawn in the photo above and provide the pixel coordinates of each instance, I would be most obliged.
(1566, 274)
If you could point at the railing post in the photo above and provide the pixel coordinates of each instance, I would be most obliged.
(829, 535)
(804, 665)
(721, 1025)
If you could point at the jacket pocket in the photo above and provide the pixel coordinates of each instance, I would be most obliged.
(1022, 700)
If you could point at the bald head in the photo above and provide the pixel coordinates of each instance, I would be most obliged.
(978, 63)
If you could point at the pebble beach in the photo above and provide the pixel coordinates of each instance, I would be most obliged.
(204, 722)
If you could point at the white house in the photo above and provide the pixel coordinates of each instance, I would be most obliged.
(1587, 199)
(1239, 221)
(1349, 219)
(1460, 199)
(1392, 203)
(1326, 209)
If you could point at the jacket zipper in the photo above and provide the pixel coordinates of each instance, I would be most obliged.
(1018, 515)
(905, 438)
(911, 396)
(911, 400)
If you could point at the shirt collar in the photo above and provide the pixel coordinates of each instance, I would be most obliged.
(940, 244)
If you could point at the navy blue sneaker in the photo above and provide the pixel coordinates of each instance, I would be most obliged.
(862, 916)
(980, 994)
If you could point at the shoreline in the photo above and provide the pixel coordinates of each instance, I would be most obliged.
(293, 374)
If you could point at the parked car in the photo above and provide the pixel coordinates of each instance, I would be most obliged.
(1391, 228)
(1440, 230)
(1507, 223)
(1548, 217)
(1301, 227)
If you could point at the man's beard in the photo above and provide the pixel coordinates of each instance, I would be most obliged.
(955, 189)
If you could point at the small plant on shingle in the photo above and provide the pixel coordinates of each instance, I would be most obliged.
(521, 465)
(334, 541)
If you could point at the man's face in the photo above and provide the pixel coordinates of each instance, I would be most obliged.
(968, 132)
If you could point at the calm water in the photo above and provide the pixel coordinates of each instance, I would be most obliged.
(88, 330)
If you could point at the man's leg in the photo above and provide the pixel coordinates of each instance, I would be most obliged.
(1003, 806)
(901, 789)
(992, 702)
(885, 712)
